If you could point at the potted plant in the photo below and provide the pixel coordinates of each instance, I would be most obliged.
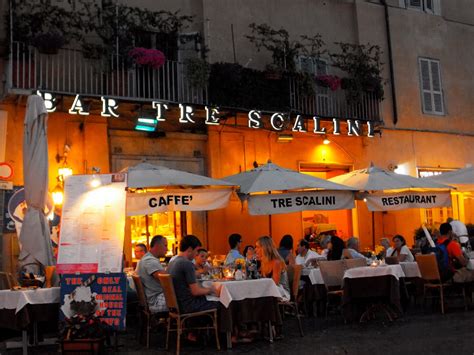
(147, 57)
(332, 82)
(197, 72)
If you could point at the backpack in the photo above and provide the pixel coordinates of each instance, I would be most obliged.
(442, 258)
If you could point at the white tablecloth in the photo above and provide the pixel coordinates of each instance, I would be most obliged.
(314, 275)
(369, 271)
(240, 290)
(19, 299)
(410, 269)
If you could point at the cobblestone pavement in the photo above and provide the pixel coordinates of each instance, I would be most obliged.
(416, 333)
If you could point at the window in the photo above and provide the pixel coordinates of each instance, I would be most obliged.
(428, 6)
(431, 86)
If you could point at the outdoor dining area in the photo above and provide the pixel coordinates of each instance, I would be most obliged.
(89, 297)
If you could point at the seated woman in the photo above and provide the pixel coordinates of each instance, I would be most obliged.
(400, 249)
(286, 249)
(272, 265)
(335, 247)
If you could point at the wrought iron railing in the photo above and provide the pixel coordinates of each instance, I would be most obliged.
(71, 72)
(324, 102)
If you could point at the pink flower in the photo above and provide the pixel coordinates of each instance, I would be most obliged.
(145, 56)
(331, 81)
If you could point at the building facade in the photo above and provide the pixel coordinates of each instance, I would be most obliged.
(422, 125)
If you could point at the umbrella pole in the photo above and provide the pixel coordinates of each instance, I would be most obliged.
(373, 230)
(270, 225)
(147, 232)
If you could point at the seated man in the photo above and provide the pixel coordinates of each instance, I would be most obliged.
(191, 296)
(305, 254)
(140, 251)
(200, 262)
(148, 269)
(234, 242)
(352, 249)
(456, 261)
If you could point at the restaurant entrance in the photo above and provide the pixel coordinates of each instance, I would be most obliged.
(318, 222)
(171, 225)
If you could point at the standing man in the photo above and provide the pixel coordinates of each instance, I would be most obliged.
(148, 269)
(190, 295)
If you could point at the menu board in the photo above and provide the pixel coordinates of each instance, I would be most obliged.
(105, 295)
(92, 224)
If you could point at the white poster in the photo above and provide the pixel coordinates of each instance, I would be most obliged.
(404, 200)
(300, 201)
(92, 224)
(177, 200)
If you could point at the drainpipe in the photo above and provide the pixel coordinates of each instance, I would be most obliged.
(390, 62)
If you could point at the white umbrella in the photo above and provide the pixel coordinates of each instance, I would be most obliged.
(270, 177)
(462, 179)
(145, 175)
(35, 237)
(377, 179)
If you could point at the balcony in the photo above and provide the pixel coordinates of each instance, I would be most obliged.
(323, 102)
(231, 85)
(70, 72)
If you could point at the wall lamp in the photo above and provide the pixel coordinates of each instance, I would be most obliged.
(284, 138)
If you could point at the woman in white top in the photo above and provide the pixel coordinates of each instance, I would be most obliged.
(400, 249)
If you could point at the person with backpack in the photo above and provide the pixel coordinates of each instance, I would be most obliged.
(451, 260)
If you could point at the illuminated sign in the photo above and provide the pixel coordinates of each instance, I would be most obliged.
(278, 121)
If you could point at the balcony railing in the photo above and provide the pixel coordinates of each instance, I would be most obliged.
(70, 72)
(326, 103)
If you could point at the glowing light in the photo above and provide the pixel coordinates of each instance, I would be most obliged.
(58, 195)
(326, 141)
(64, 171)
(95, 183)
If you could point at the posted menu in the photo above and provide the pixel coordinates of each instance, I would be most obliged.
(92, 225)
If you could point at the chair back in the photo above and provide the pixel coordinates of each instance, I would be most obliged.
(352, 263)
(142, 301)
(391, 260)
(332, 272)
(346, 254)
(166, 282)
(5, 282)
(294, 276)
(428, 267)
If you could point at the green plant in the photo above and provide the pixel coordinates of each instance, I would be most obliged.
(362, 64)
(38, 22)
(197, 72)
(284, 51)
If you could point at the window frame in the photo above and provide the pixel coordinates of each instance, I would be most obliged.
(431, 91)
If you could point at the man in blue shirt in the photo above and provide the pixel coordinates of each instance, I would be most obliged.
(235, 240)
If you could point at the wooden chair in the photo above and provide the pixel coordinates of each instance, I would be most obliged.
(352, 263)
(4, 281)
(391, 260)
(430, 274)
(332, 273)
(175, 314)
(149, 317)
(294, 276)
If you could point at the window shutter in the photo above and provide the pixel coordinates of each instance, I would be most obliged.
(436, 87)
(429, 6)
(437, 7)
(431, 89)
(306, 65)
